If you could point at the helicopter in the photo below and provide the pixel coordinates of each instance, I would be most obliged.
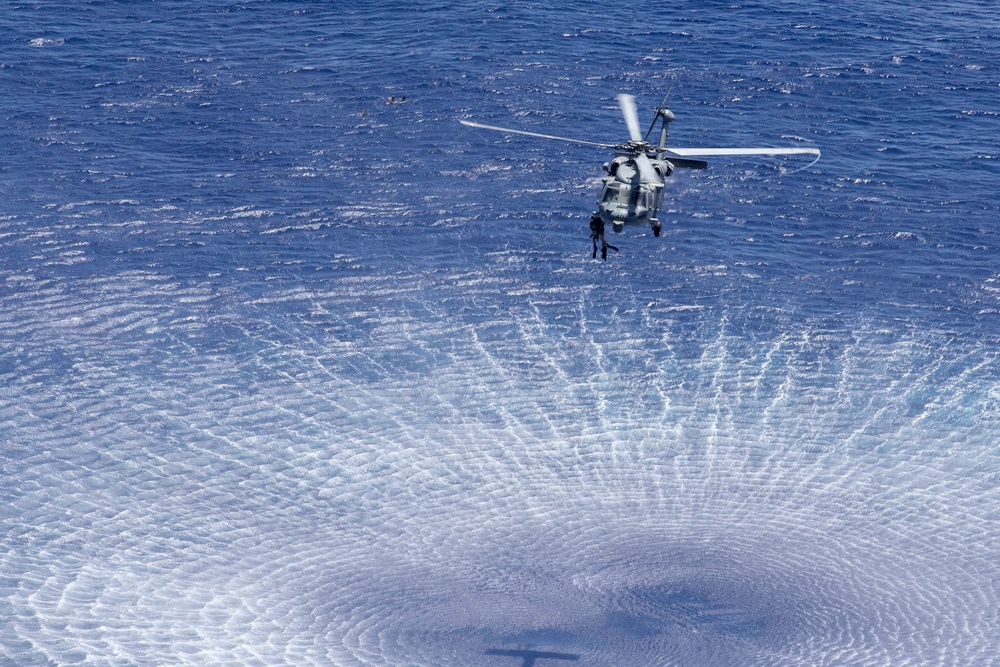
(632, 189)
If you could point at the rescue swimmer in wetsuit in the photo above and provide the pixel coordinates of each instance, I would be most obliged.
(597, 234)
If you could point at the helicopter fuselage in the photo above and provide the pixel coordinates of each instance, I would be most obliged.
(625, 199)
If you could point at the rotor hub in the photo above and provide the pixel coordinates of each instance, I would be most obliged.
(635, 147)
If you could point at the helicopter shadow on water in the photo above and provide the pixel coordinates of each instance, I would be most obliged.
(529, 657)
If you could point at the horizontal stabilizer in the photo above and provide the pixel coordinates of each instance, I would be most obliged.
(687, 163)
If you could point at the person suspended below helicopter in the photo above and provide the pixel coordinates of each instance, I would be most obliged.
(597, 234)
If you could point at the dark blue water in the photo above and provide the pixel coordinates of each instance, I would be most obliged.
(295, 375)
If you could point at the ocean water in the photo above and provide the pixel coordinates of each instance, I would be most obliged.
(291, 375)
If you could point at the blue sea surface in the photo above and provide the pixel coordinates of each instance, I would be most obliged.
(296, 372)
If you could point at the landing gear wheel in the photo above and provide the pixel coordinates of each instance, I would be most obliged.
(617, 227)
(656, 227)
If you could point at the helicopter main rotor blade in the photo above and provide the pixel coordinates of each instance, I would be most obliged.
(534, 134)
(703, 152)
(646, 172)
(627, 103)
(742, 151)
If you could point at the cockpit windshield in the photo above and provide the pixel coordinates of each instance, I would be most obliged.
(615, 192)
(610, 193)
